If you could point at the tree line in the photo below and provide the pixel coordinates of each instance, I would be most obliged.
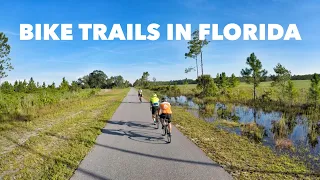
(240, 78)
(96, 79)
(31, 86)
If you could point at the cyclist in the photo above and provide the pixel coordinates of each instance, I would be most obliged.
(165, 108)
(154, 106)
(140, 93)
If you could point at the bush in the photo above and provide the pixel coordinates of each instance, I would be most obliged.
(27, 103)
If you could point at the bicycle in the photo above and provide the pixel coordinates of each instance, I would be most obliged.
(166, 130)
(157, 121)
(140, 95)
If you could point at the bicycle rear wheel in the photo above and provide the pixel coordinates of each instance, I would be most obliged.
(164, 130)
(157, 121)
(168, 135)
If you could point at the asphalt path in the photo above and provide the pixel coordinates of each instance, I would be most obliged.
(131, 148)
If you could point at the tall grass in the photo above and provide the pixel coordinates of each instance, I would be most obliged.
(15, 105)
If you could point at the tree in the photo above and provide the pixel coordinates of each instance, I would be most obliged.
(15, 86)
(127, 84)
(185, 82)
(52, 86)
(224, 84)
(314, 90)
(84, 82)
(191, 54)
(206, 83)
(137, 83)
(280, 79)
(5, 64)
(254, 74)
(223, 80)
(64, 86)
(31, 87)
(74, 86)
(6, 87)
(234, 81)
(154, 81)
(291, 92)
(144, 79)
(43, 85)
(195, 48)
(189, 69)
(19, 86)
(119, 81)
(22, 86)
(97, 79)
(282, 75)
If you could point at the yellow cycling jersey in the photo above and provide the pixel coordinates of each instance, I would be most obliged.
(154, 101)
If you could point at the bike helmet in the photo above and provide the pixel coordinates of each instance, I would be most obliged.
(163, 99)
(154, 95)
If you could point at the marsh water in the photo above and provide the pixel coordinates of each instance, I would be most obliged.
(294, 131)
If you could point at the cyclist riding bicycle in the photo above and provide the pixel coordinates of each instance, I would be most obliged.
(140, 93)
(154, 106)
(165, 108)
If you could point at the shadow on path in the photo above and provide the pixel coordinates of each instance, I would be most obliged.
(141, 136)
(134, 124)
(96, 176)
(74, 166)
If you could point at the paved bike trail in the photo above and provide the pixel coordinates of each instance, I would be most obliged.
(131, 148)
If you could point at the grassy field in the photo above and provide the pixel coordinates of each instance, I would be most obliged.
(52, 145)
(243, 94)
(299, 84)
(241, 157)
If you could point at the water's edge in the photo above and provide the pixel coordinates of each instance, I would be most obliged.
(289, 134)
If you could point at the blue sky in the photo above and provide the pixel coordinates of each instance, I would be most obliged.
(49, 61)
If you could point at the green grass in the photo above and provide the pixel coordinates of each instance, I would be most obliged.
(243, 94)
(240, 156)
(52, 145)
(299, 84)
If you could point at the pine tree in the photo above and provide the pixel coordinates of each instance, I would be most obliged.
(254, 74)
(64, 86)
(234, 81)
(314, 90)
(43, 85)
(31, 87)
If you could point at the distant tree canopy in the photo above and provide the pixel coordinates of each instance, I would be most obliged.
(177, 82)
(237, 78)
(302, 77)
(98, 79)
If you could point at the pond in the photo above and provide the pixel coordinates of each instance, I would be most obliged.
(285, 134)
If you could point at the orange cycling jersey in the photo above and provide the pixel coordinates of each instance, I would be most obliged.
(165, 108)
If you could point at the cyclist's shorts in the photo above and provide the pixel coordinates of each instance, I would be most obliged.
(166, 116)
(154, 110)
(140, 94)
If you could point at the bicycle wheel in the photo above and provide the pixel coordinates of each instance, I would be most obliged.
(164, 130)
(168, 136)
(157, 121)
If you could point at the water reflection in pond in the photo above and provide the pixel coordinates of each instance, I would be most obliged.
(293, 134)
